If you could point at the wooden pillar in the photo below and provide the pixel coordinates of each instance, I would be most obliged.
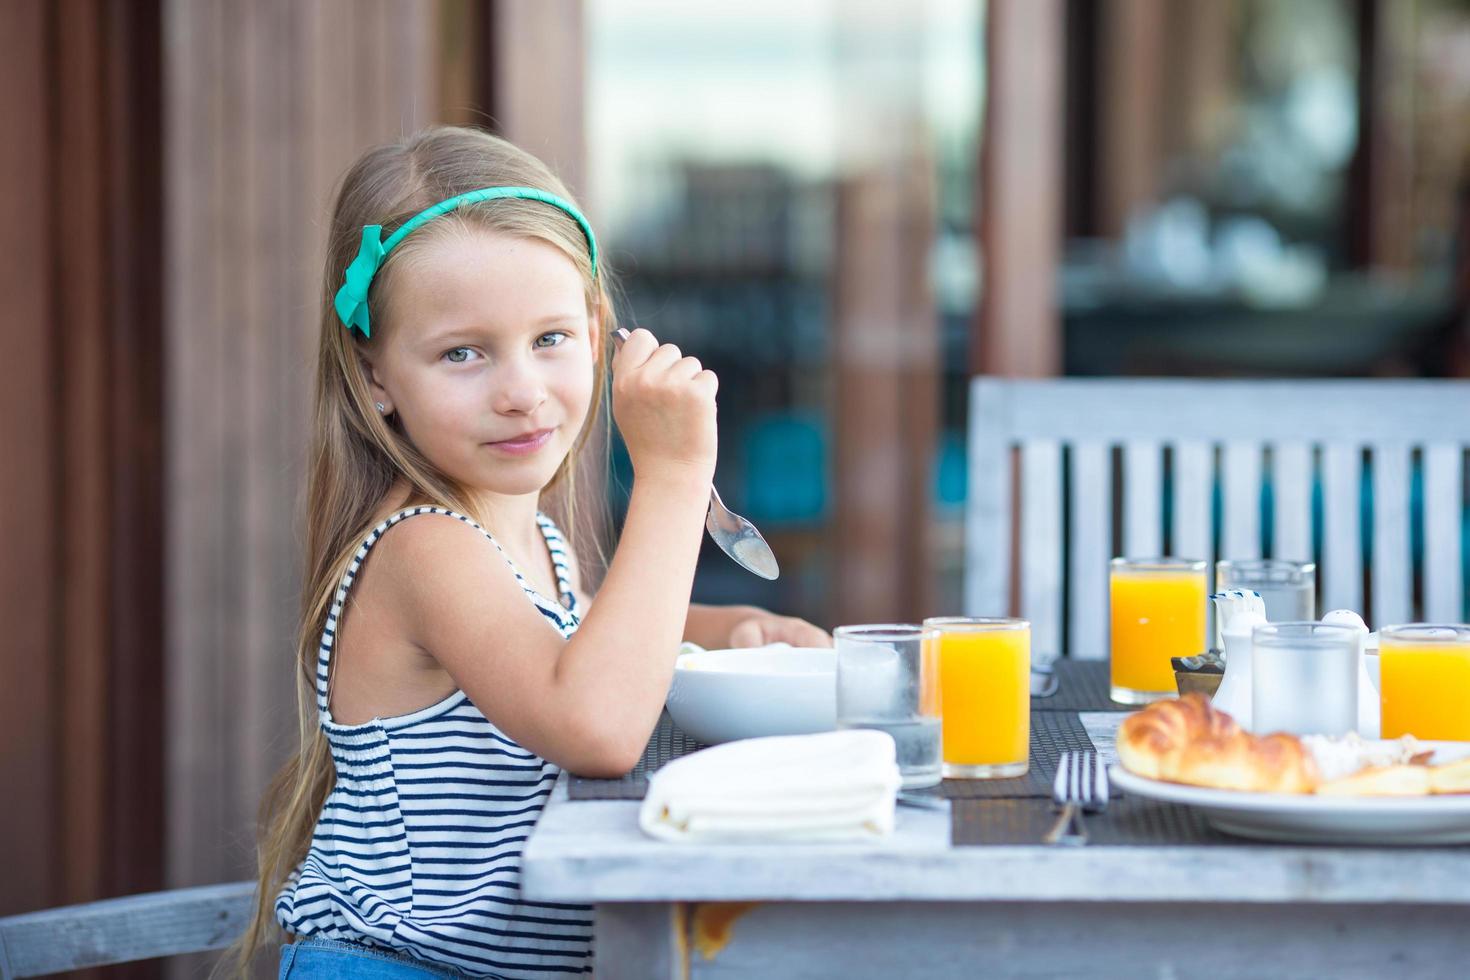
(1199, 68)
(1131, 124)
(886, 363)
(1018, 329)
(1381, 173)
(537, 78)
(885, 326)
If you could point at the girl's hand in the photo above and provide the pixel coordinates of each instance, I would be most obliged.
(763, 628)
(664, 404)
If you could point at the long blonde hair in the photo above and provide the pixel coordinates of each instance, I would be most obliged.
(357, 456)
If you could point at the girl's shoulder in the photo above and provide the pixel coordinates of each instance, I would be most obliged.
(423, 531)
(431, 560)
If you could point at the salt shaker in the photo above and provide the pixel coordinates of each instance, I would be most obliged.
(1237, 612)
(1369, 722)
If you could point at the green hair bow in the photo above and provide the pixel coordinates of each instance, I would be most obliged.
(351, 301)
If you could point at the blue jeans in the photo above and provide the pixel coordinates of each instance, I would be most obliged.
(329, 959)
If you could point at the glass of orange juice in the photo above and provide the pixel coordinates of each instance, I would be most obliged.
(1424, 681)
(984, 696)
(1158, 612)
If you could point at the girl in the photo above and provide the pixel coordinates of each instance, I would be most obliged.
(451, 663)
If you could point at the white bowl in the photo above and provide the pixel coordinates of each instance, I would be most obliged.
(722, 695)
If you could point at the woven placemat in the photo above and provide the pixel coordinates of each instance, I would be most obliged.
(1125, 821)
(668, 742)
(1052, 733)
(1083, 686)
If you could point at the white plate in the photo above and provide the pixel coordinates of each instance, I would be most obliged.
(722, 695)
(1310, 819)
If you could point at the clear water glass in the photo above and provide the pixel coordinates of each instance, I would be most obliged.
(888, 679)
(1304, 678)
(1288, 588)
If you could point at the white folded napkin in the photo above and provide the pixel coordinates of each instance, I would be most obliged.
(828, 786)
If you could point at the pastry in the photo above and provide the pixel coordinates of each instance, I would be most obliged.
(1188, 741)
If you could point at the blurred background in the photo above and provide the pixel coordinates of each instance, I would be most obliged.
(846, 209)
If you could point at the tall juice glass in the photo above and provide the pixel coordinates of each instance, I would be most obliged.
(985, 696)
(1424, 681)
(1158, 612)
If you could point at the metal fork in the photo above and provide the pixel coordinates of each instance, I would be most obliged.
(1081, 785)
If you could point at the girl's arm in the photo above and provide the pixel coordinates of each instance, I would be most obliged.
(588, 703)
(717, 627)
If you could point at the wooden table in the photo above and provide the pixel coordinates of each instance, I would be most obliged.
(914, 905)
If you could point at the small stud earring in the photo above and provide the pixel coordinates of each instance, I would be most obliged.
(381, 407)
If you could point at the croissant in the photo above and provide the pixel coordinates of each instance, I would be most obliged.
(1188, 741)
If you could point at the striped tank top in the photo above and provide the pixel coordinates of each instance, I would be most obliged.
(418, 846)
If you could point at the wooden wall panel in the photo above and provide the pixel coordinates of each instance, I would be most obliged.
(85, 351)
(133, 229)
(29, 599)
(82, 740)
(155, 434)
(267, 103)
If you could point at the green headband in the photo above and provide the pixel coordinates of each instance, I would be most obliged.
(352, 298)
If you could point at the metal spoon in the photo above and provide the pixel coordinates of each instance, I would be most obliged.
(736, 536)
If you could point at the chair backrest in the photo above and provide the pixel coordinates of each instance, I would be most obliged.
(1057, 449)
(120, 930)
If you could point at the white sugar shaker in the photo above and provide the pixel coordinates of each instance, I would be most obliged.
(1369, 721)
(1237, 612)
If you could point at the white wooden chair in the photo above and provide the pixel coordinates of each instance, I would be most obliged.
(121, 930)
(1026, 436)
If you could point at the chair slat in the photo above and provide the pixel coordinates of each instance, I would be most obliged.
(1091, 546)
(1443, 504)
(1143, 485)
(1240, 537)
(1291, 478)
(988, 514)
(121, 930)
(1342, 549)
(1194, 467)
(1392, 595)
(1041, 543)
